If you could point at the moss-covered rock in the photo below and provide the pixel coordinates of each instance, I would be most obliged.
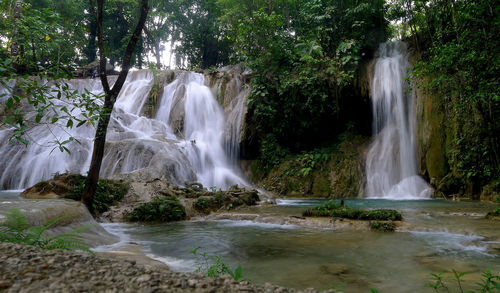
(336, 172)
(383, 226)
(455, 152)
(71, 186)
(333, 209)
(216, 200)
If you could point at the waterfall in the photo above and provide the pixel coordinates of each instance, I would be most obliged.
(184, 142)
(391, 167)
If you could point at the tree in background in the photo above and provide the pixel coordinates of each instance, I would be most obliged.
(202, 40)
(110, 93)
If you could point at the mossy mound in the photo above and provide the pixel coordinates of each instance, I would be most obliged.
(165, 209)
(234, 197)
(332, 209)
(71, 186)
(495, 214)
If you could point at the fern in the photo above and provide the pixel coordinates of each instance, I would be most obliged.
(16, 229)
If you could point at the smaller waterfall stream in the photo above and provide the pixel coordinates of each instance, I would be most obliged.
(391, 167)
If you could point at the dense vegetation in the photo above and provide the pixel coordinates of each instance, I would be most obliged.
(305, 57)
(460, 63)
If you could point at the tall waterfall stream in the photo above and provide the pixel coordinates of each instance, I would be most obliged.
(184, 142)
(391, 167)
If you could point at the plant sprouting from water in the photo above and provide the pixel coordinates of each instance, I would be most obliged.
(489, 283)
(16, 229)
(213, 266)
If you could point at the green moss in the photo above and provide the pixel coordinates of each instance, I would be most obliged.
(225, 199)
(335, 171)
(332, 209)
(383, 226)
(164, 209)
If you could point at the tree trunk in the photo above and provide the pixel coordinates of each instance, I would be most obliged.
(91, 46)
(14, 45)
(111, 95)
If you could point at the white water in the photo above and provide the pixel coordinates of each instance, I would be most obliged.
(391, 166)
(135, 143)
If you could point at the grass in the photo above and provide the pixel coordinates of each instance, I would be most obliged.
(333, 209)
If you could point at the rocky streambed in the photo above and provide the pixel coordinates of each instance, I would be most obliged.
(30, 269)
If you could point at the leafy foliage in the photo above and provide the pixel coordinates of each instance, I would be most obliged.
(164, 209)
(108, 192)
(489, 282)
(303, 55)
(16, 229)
(213, 266)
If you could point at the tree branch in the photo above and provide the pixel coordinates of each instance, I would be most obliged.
(130, 48)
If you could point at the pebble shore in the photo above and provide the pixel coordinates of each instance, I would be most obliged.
(26, 268)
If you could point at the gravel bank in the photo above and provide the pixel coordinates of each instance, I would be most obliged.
(30, 269)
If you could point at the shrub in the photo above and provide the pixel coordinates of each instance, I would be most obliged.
(107, 193)
(332, 209)
(383, 226)
(165, 209)
(16, 229)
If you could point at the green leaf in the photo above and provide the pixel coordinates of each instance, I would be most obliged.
(38, 117)
(70, 123)
(10, 103)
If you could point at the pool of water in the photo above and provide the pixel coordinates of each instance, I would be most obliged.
(443, 235)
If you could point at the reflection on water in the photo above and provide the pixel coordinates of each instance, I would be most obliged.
(301, 258)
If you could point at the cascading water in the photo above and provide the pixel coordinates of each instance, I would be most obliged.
(184, 142)
(391, 167)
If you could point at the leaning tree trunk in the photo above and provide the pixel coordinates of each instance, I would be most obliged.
(110, 95)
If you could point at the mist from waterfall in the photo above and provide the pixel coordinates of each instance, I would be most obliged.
(391, 167)
(191, 150)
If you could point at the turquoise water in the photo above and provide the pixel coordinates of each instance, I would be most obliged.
(439, 237)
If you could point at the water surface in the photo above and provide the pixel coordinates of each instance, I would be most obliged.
(441, 237)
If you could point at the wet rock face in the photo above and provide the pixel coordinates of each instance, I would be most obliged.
(340, 176)
(30, 269)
